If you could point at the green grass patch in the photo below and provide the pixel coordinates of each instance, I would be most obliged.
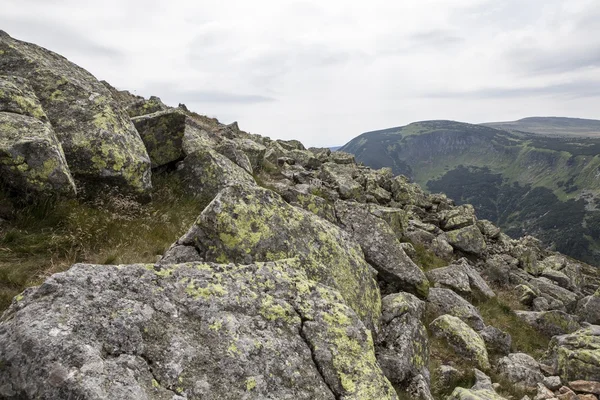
(498, 312)
(50, 236)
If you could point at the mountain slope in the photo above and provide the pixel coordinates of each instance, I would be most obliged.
(528, 183)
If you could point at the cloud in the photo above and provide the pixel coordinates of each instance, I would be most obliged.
(578, 89)
(325, 71)
(57, 37)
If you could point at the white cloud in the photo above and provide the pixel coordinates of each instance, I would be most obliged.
(323, 72)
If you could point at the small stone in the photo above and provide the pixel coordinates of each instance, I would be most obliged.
(552, 382)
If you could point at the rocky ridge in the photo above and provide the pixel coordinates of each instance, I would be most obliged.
(306, 275)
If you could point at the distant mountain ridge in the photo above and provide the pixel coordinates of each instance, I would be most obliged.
(552, 126)
(527, 182)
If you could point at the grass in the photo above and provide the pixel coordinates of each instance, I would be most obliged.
(498, 312)
(426, 259)
(50, 236)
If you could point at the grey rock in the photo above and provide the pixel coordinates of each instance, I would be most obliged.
(521, 369)
(552, 382)
(381, 248)
(402, 346)
(459, 336)
(577, 355)
(248, 224)
(588, 308)
(496, 340)
(131, 332)
(550, 323)
(444, 301)
(178, 254)
(468, 239)
(101, 145)
(551, 292)
(205, 172)
(462, 278)
(459, 217)
(482, 390)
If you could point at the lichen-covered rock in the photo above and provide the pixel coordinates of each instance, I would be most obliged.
(205, 172)
(488, 229)
(247, 224)
(169, 135)
(315, 204)
(32, 162)
(462, 338)
(553, 292)
(17, 97)
(468, 239)
(550, 323)
(406, 193)
(588, 308)
(521, 369)
(340, 157)
(577, 355)
(402, 346)
(459, 217)
(444, 301)
(99, 141)
(462, 278)
(382, 249)
(135, 105)
(341, 176)
(190, 331)
(482, 390)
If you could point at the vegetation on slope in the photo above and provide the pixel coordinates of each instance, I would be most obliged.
(526, 183)
(50, 236)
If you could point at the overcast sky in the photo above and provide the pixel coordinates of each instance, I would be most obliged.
(325, 71)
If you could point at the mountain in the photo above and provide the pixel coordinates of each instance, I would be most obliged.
(552, 126)
(193, 260)
(527, 183)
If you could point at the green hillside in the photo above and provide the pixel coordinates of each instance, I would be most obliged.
(528, 183)
(557, 126)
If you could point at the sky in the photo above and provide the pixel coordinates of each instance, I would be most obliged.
(325, 71)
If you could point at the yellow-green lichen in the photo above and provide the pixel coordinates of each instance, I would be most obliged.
(250, 383)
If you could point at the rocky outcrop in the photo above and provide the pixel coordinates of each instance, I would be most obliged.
(577, 355)
(402, 345)
(247, 224)
(306, 275)
(190, 331)
(32, 161)
(100, 143)
(382, 249)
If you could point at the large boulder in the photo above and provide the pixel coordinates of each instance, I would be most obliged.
(402, 346)
(461, 277)
(205, 172)
(32, 161)
(459, 217)
(468, 239)
(382, 249)
(445, 301)
(191, 331)
(550, 323)
(169, 135)
(100, 143)
(576, 356)
(341, 177)
(247, 224)
(588, 308)
(521, 369)
(462, 338)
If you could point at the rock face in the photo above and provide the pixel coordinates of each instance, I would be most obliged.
(226, 337)
(382, 249)
(247, 224)
(31, 157)
(100, 143)
(402, 349)
(576, 356)
(464, 340)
